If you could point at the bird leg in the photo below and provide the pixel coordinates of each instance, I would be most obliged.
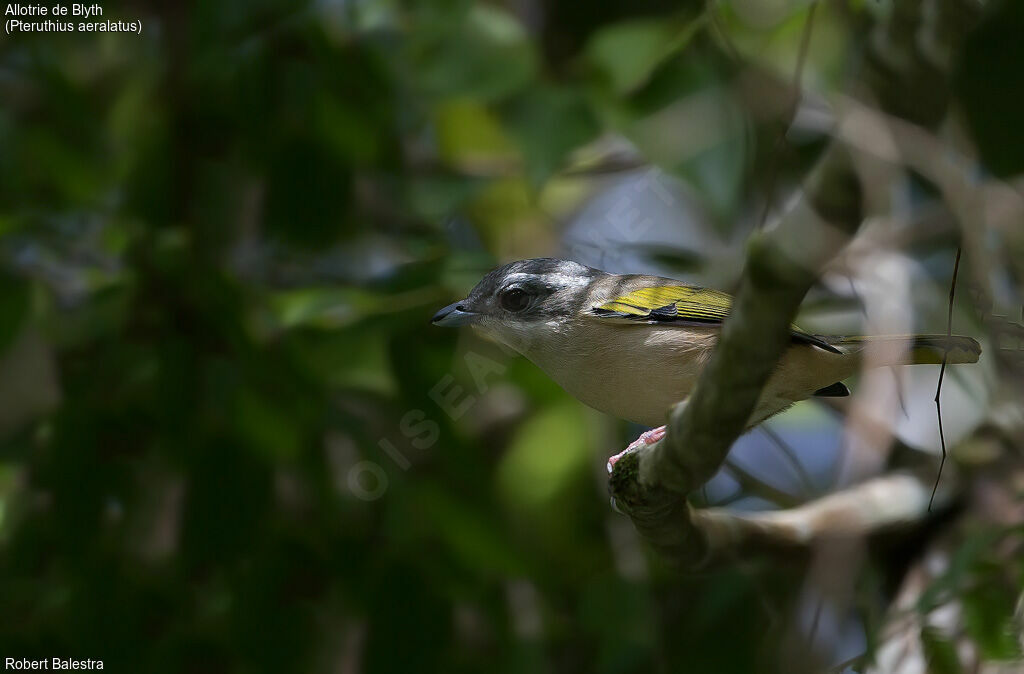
(646, 438)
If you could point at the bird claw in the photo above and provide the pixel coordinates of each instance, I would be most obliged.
(646, 438)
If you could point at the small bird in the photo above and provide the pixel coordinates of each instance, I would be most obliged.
(633, 345)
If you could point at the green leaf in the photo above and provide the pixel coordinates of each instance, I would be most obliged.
(487, 56)
(940, 652)
(990, 620)
(469, 534)
(355, 360)
(309, 193)
(14, 308)
(686, 122)
(991, 91)
(265, 426)
(468, 133)
(963, 560)
(627, 53)
(546, 458)
(341, 307)
(549, 122)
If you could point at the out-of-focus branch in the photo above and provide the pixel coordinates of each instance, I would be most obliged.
(652, 483)
(890, 500)
(977, 205)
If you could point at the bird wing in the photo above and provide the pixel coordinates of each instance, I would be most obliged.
(680, 305)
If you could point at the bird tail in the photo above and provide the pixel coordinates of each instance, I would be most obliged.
(915, 349)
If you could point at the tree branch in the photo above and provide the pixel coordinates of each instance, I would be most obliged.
(651, 484)
(886, 501)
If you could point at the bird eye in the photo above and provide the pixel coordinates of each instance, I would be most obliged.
(514, 300)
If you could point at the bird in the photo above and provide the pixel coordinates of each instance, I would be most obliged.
(633, 345)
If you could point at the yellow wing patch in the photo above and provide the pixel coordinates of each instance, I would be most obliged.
(681, 303)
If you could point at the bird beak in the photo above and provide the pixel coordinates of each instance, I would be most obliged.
(453, 315)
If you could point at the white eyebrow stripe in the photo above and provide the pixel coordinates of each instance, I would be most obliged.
(559, 279)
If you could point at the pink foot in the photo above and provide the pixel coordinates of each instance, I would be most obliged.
(646, 438)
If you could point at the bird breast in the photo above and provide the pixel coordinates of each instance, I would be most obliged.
(634, 372)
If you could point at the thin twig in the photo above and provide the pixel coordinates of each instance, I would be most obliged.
(942, 372)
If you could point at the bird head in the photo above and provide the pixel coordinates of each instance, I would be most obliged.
(520, 301)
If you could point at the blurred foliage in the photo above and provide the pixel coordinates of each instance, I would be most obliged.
(993, 104)
(224, 444)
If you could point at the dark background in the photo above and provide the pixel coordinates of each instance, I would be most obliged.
(222, 242)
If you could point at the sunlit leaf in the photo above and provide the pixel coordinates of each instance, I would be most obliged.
(547, 458)
(469, 136)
